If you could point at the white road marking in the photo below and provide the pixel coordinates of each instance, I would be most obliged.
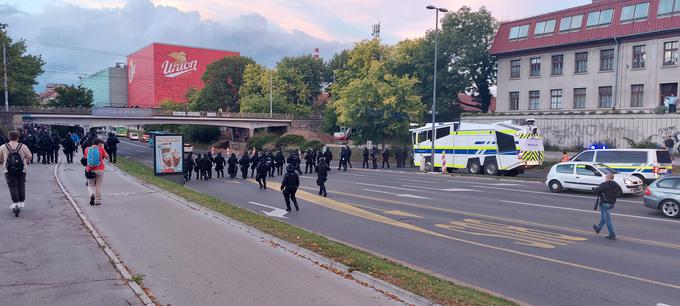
(553, 194)
(390, 187)
(588, 211)
(505, 184)
(359, 175)
(416, 181)
(276, 212)
(441, 189)
(662, 304)
(403, 195)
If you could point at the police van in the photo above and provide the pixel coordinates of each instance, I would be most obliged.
(493, 149)
(646, 164)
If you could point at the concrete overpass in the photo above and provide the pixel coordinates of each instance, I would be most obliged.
(131, 117)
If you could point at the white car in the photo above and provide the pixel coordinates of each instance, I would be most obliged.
(588, 175)
(133, 136)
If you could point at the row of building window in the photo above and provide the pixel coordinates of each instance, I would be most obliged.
(670, 57)
(604, 98)
(599, 18)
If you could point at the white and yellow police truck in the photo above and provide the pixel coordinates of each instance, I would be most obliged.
(493, 149)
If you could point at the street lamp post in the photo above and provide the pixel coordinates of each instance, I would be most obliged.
(434, 87)
(271, 96)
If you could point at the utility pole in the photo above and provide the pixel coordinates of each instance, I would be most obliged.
(271, 108)
(4, 69)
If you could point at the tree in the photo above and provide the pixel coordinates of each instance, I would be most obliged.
(23, 69)
(304, 78)
(374, 102)
(72, 96)
(466, 39)
(223, 80)
(254, 93)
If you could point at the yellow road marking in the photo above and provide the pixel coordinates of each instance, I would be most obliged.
(358, 212)
(452, 211)
(402, 214)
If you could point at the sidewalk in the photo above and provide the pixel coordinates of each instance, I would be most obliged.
(47, 257)
(191, 257)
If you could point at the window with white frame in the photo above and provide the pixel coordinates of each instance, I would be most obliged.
(571, 23)
(556, 99)
(635, 12)
(545, 27)
(667, 7)
(599, 18)
(519, 31)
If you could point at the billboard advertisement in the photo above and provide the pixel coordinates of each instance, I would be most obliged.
(162, 72)
(168, 154)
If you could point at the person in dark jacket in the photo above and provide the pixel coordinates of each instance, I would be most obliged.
(328, 155)
(211, 159)
(607, 193)
(309, 161)
(244, 162)
(349, 156)
(219, 165)
(254, 162)
(289, 186)
(342, 160)
(232, 161)
(206, 166)
(43, 146)
(112, 147)
(322, 176)
(69, 148)
(364, 155)
(197, 166)
(386, 158)
(270, 163)
(374, 157)
(279, 160)
(188, 166)
(55, 142)
(262, 171)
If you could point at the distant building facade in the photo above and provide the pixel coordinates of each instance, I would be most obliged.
(50, 93)
(610, 54)
(109, 86)
(161, 72)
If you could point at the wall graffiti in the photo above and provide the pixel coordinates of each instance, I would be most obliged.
(559, 136)
(669, 131)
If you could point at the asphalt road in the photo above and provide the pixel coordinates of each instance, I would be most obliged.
(507, 236)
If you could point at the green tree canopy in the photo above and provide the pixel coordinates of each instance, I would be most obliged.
(255, 98)
(304, 78)
(374, 102)
(23, 69)
(72, 96)
(223, 80)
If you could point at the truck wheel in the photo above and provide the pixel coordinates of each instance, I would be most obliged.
(555, 186)
(474, 167)
(491, 169)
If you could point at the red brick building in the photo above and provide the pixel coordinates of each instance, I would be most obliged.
(160, 72)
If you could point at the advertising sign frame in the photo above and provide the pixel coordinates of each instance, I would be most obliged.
(167, 140)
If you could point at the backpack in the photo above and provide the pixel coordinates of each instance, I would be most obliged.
(93, 157)
(15, 164)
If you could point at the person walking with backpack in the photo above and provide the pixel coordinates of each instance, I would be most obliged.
(14, 157)
(94, 170)
(289, 186)
(607, 193)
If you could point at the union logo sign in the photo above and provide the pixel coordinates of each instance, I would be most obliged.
(180, 65)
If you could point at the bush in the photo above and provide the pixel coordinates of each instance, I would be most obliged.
(260, 140)
(290, 140)
(661, 109)
(645, 144)
(312, 144)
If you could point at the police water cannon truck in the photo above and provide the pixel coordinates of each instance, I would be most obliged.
(494, 149)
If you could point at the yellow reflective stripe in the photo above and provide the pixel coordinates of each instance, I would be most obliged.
(487, 132)
(478, 147)
(508, 131)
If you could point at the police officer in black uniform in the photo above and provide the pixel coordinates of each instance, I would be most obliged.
(364, 155)
(219, 165)
(386, 158)
(289, 186)
(262, 171)
(322, 176)
(244, 162)
(279, 160)
(232, 161)
(254, 161)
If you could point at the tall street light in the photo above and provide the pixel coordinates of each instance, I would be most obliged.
(434, 87)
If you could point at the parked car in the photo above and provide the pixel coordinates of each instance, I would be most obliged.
(588, 175)
(664, 195)
(145, 137)
(645, 164)
(133, 136)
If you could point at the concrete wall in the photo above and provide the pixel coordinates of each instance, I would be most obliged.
(651, 76)
(582, 130)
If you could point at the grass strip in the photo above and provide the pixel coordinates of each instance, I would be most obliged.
(438, 290)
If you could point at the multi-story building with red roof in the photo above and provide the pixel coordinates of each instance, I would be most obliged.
(609, 54)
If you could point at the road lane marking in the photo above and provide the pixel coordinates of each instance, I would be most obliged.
(362, 213)
(441, 189)
(452, 211)
(417, 181)
(403, 195)
(276, 212)
(383, 186)
(402, 214)
(521, 235)
(551, 193)
(505, 184)
(350, 174)
(588, 211)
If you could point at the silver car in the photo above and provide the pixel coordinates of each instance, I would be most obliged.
(664, 195)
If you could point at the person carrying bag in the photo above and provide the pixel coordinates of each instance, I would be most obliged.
(94, 157)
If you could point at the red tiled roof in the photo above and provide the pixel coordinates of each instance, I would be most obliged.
(468, 103)
(503, 45)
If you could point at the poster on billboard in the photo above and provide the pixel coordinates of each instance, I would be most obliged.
(168, 154)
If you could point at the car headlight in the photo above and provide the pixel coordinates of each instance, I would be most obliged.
(628, 182)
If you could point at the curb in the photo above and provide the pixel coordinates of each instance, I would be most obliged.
(118, 265)
(381, 286)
